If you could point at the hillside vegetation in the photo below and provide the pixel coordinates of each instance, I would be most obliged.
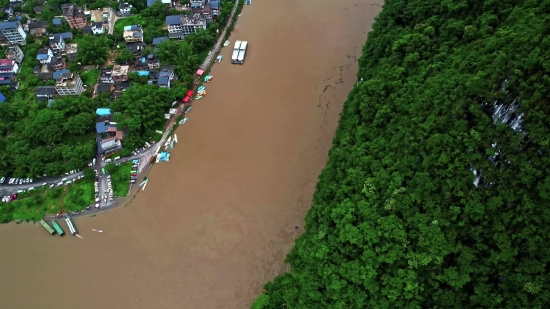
(437, 190)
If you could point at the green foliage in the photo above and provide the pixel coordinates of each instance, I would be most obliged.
(89, 77)
(93, 50)
(34, 205)
(79, 195)
(124, 56)
(182, 54)
(151, 20)
(142, 110)
(40, 140)
(120, 177)
(261, 302)
(396, 220)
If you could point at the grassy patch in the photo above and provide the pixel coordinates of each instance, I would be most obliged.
(120, 178)
(79, 196)
(34, 205)
(89, 77)
(129, 21)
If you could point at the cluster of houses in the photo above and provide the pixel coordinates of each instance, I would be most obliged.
(202, 12)
(108, 137)
(114, 79)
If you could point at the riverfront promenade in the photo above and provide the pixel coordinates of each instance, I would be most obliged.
(143, 156)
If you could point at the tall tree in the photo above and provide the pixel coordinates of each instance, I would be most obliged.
(93, 50)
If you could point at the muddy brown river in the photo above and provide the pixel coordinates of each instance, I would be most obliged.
(215, 223)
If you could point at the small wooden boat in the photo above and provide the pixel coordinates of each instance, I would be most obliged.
(226, 43)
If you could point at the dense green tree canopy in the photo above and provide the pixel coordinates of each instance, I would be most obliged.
(39, 140)
(142, 109)
(436, 193)
(93, 50)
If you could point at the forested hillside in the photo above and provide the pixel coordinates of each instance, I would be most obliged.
(437, 190)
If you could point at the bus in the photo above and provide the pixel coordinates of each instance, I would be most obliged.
(71, 226)
(58, 228)
(235, 54)
(47, 227)
(242, 52)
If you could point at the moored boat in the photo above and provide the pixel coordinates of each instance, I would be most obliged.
(47, 227)
(96, 230)
(226, 43)
(57, 228)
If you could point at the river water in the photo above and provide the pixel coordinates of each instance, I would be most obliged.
(215, 223)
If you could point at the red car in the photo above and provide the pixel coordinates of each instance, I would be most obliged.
(134, 175)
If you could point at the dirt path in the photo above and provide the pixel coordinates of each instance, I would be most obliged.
(62, 206)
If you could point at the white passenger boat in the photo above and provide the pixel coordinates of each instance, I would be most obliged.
(226, 43)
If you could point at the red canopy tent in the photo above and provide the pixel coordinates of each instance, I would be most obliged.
(189, 93)
(200, 72)
(186, 99)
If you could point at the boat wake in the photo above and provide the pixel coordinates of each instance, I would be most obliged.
(79, 236)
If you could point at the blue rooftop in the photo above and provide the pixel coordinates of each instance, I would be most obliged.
(173, 20)
(2, 98)
(8, 25)
(150, 2)
(41, 57)
(157, 41)
(163, 80)
(65, 35)
(103, 111)
(131, 28)
(57, 74)
(100, 127)
(57, 21)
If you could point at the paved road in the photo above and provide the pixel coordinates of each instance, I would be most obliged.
(6, 189)
(113, 20)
